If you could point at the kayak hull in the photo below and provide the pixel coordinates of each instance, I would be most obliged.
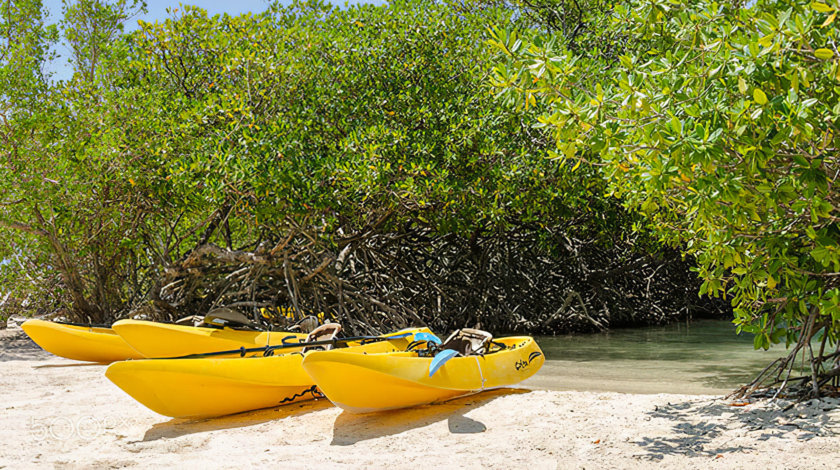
(200, 388)
(80, 343)
(397, 380)
(207, 387)
(158, 340)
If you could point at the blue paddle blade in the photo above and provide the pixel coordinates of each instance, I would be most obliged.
(401, 335)
(428, 337)
(440, 359)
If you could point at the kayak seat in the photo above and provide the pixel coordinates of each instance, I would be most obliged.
(226, 317)
(305, 325)
(324, 332)
(191, 320)
(467, 341)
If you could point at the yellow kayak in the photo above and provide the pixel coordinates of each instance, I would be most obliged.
(80, 343)
(153, 339)
(363, 383)
(214, 386)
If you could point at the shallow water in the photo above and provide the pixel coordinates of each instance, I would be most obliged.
(702, 357)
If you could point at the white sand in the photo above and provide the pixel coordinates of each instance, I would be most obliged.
(55, 412)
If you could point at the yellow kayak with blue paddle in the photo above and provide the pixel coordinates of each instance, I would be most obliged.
(469, 361)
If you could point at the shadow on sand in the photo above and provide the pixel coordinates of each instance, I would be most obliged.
(350, 428)
(72, 364)
(181, 427)
(697, 424)
(16, 346)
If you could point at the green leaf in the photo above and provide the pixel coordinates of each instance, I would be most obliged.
(759, 96)
(824, 54)
(676, 125)
(822, 255)
(821, 7)
(742, 86)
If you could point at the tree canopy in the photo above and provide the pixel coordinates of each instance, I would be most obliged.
(308, 159)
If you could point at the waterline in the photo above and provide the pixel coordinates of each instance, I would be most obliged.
(703, 357)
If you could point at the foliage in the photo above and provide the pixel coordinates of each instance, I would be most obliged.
(302, 118)
(723, 132)
(91, 26)
(295, 117)
(347, 161)
(585, 27)
(25, 39)
(73, 216)
(304, 111)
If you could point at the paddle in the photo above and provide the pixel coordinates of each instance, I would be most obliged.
(243, 350)
(427, 337)
(440, 359)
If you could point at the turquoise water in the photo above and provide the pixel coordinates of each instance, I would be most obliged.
(702, 357)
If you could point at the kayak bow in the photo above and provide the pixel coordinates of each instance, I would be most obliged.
(80, 343)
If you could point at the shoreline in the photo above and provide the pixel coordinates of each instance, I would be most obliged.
(67, 414)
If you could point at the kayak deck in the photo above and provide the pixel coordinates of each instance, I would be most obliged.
(157, 340)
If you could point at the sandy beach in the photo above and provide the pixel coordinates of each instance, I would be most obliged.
(63, 414)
